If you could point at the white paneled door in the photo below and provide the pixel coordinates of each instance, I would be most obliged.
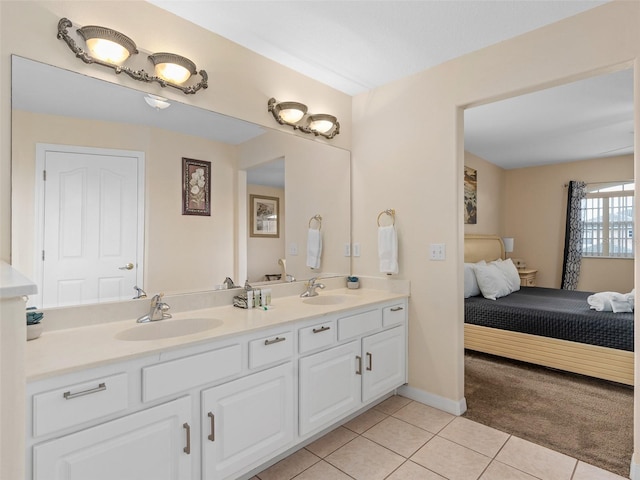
(92, 225)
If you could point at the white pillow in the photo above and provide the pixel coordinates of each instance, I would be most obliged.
(511, 273)
(471, 288)
(494, 281)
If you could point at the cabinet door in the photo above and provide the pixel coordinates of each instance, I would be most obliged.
(148, 444)
(384, 365)
(246, 420)
(329, 386)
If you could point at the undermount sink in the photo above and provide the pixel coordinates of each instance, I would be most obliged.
(168, 329)
(330, 299)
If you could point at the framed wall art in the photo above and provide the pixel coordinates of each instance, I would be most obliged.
(470, 196)
(264, 216)
(196, 187)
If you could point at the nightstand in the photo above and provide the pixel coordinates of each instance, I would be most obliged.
(527, 277)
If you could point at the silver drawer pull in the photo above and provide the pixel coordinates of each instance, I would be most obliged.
(212, 435)
(396, 309)
(187, 449)
(275, 340)
(321, 329)
(68, 395)
(370, 361)
(359, 369)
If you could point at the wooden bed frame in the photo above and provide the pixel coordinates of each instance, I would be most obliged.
(591, 360)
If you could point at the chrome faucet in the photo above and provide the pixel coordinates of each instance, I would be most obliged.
(140, 293)
(157, 310)
(229, 283)
(311, 288)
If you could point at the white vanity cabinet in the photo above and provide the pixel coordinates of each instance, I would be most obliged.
(246, 420)
(340, 379)
(219, 409)
(153, 443)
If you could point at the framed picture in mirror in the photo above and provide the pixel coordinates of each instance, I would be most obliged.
(196, 187)
(264, 215)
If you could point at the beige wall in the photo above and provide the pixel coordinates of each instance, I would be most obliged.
(535, 212)
(408, 154)
(182, 252)
(490, 196)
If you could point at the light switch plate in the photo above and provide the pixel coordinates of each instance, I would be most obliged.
(356, 250)
(437, 251)
(293, 248)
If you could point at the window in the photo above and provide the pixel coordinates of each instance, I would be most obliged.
(607, 215)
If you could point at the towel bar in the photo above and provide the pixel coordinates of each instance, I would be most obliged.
(391, 212)
(317, 218)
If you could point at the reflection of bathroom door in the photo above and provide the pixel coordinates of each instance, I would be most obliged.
(92, 226)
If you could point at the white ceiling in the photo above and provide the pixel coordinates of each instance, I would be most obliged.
(355, 46)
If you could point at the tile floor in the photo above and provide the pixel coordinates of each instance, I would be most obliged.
(400, 439)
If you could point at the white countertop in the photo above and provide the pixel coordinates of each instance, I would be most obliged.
(13, 283)
(63, 351)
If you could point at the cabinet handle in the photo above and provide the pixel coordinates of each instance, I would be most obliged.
(369, 361)
(396, 309)
(212, 435)
(275, 340)
(68, 395)
(321, 329)
(359, 360)
(187, 427)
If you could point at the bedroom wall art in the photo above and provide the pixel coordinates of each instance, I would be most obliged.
(470, 195)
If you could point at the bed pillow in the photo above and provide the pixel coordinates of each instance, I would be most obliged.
(511, 273)
(471, 288)
(496, 280)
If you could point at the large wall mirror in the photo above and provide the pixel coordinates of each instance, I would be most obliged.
(115, 183)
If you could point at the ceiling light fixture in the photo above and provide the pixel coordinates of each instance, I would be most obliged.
(110, 48)
(157, 102)
(295, 115)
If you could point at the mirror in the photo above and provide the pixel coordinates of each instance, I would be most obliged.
(180, 253)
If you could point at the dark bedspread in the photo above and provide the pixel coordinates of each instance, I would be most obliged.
(550, 312)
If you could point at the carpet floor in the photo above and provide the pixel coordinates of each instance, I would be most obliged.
(585, 418)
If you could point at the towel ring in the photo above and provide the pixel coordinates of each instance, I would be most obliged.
(317, 218)
(391, 212)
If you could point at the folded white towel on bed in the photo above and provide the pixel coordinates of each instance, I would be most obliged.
(612, 302)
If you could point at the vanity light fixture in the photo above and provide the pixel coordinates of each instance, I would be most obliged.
(107, 45)
(110, 48)
(295, 115)
(173, 68)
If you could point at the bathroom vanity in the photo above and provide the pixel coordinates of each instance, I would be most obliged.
(240, 390)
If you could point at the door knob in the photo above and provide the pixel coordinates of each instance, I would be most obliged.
(128, 266)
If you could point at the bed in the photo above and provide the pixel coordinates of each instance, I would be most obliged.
(550, 327)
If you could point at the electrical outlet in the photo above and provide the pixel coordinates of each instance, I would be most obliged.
(437, 251)
(347, 249)
(356, 250)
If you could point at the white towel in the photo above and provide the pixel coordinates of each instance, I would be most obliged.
(612, 302)
(314, 248)
(388, 249)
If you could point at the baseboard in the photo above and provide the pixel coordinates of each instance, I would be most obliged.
(435, 401)
(634, 472)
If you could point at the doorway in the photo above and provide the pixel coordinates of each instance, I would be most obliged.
(89, 224)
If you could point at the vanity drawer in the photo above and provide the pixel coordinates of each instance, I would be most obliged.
(316, 336)
(176, 376)
(394, 314)
(75, 404)
(358, 324)
(273, 348)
